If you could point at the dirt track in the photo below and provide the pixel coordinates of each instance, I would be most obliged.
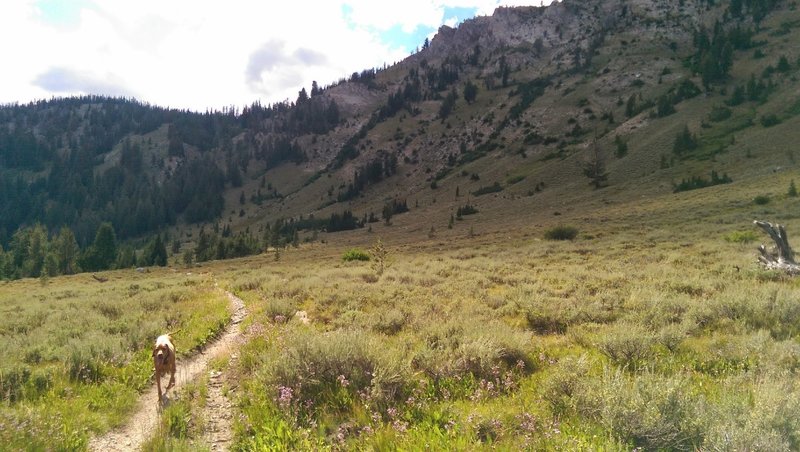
(144, 422)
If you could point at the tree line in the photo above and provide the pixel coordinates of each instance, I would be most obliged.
(33, 252)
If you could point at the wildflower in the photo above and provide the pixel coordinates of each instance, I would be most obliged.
(284, 396)
(400, 426)
(343, 381)
(527, 422)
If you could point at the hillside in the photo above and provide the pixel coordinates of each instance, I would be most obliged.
(522, 115)
(561, 256)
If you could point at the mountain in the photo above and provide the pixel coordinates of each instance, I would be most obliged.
(529, 112)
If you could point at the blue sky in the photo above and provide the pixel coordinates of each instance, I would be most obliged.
(398, 36)
(207, 54)
(62, 12)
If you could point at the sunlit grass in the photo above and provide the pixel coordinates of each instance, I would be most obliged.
(76, 352)
(656, 338)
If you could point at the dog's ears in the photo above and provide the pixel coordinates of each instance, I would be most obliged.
(155, 350)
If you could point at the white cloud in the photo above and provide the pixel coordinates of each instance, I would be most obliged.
(201, 54)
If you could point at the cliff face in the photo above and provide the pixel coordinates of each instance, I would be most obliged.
(563, 27)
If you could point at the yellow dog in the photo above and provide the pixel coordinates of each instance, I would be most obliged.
(164, 361)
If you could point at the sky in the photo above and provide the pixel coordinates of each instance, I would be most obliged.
(207, 55)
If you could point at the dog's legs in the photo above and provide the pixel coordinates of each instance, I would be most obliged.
(158, 383)
(171, 379)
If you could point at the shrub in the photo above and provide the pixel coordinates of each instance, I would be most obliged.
(467, 209)
(313, 366)
(390, 322)
(562, 383)
(621, 149)
(12, 382)
(561, 232)
(696, 182)
(279, 310)
(655, 412)
(480, 350)
(685, 141)
(355, 254)
(494, 188)
(743, 237)
(82, 366)
(770, 120)
(766, 417)
(761, 200)
(719, 113)
(627, 344)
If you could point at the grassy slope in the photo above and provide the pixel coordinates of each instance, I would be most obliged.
(646, 335)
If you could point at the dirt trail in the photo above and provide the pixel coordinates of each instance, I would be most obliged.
(144, 422)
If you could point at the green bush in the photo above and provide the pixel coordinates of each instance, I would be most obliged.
(13, 381)
(743, 237)
(770, 120)
(561, 232)
(719, 113)
(485, 190)
(355, 254)
(761, 200)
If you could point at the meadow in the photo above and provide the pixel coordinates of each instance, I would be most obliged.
(652, 328)
(76, 351)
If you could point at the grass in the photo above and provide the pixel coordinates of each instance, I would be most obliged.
(648, 338)
(76, 352)
(181, 425)
(662, 336)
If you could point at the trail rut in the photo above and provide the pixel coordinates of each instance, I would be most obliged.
(144, 421)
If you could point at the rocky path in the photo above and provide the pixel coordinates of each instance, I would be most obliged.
(144, 422)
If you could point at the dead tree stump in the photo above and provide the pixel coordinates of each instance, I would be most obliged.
(782, 258)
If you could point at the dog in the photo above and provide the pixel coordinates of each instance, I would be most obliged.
(164, 361)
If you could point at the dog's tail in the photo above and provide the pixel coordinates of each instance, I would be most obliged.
(172, 333)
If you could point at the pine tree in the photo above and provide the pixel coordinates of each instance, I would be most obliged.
(595, 167)
(157, 252)
(470, 92)
(105, 246)
(66, 252)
